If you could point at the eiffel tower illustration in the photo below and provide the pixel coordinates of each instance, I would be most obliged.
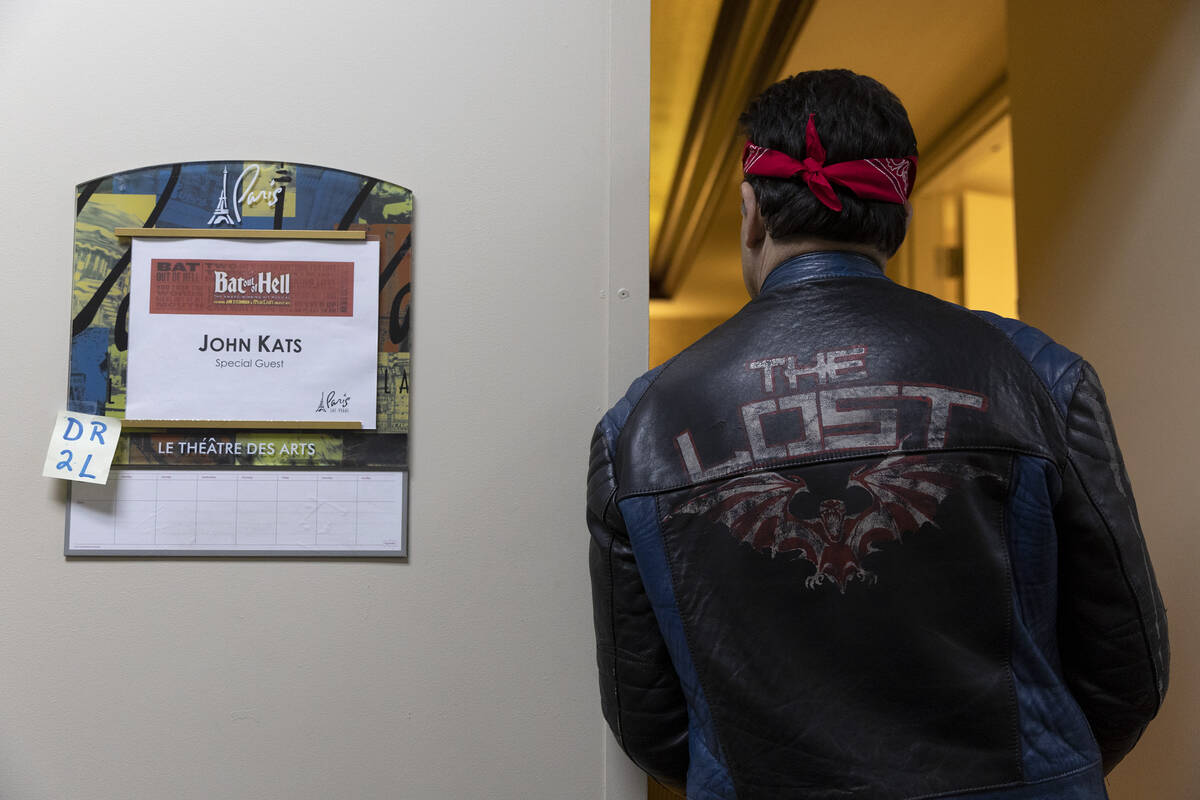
(221, 212)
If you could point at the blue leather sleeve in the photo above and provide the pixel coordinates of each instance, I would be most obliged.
(1112, 624)
(707, 774)
(640, 692)
(615, 419)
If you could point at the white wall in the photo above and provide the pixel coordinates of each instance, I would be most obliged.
(1106, 107)
(521, 128)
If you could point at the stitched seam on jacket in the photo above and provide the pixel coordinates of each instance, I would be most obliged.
(1010, 784)
(658, 373)
(821, 277)
(1141, 616)
(1157, 678)
(1029, 366)
(1028, 362)
(804, 461)
(612, 615)
(612, 624)
(720, 757)
(1006, 656)
(1063, 375)
(612, 591)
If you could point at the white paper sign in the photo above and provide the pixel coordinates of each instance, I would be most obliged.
(81, 447)
(282, 330)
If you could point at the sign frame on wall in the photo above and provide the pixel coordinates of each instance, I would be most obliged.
(267, 200)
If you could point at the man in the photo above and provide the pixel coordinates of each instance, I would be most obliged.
(858, 542)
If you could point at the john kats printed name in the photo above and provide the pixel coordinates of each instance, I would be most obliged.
(241, 344)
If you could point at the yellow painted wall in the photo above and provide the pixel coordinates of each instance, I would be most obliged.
(989, 253)
(934, 229)
(1106, 111)
(670, 335)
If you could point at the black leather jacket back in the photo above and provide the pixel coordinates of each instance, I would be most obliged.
(858, 542)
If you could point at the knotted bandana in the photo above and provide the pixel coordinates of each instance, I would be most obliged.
(886, 179)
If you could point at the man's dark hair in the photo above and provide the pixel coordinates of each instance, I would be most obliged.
(856, 117)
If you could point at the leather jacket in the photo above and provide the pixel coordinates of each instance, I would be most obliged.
(860, 542)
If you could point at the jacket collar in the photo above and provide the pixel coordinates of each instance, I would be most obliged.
(822, 264)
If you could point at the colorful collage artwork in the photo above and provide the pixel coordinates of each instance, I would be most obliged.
(247, 195)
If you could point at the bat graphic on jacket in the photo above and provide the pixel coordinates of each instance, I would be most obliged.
(905, 491)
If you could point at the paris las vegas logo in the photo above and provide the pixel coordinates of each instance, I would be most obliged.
(248, 193)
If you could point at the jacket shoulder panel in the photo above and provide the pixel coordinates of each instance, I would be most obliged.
(613, 422)
(602, 476)
(1056, 366)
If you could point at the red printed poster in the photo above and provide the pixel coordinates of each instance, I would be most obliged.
(253, 330)
(263, 288)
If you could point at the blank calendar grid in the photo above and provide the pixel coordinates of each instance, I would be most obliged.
(239, 510)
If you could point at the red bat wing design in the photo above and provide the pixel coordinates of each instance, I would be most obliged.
(755, 509)
(906, 492)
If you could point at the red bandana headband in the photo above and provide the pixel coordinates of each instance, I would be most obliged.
(886, 179)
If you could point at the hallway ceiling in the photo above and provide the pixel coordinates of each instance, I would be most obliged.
(939, 57)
